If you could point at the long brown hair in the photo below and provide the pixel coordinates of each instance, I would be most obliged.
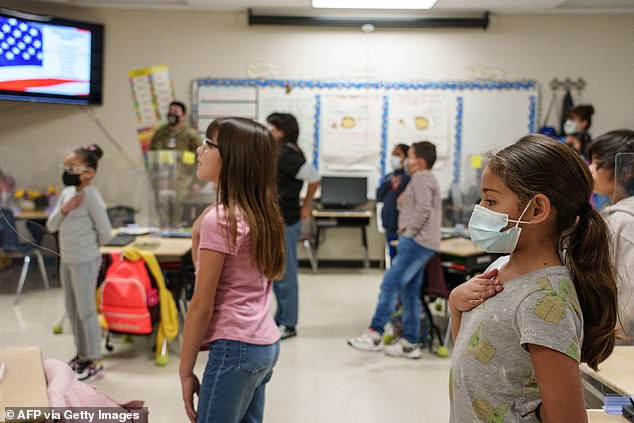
(248, 185)
(537, 164)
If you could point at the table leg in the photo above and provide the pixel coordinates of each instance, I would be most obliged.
(317, 236)
(366, 258)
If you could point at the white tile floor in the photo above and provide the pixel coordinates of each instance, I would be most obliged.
(318, 378)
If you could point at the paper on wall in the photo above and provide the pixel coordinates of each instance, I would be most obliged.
(419, 117)
(299, 103)
(152, 92)
(351, 131)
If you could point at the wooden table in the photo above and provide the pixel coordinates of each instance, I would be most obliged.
(462, 256)
(325, 219)
(600, 416)
(24, 382)
(32, 215)
(165, 249)
(615, 373)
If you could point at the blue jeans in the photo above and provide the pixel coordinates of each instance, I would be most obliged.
(232, 390)
(389, 237)
(286, 290)
(403, 279)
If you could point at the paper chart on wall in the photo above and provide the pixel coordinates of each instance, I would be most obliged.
(151, 92)
(222, 101)
(351, 131)
(299, 103)
(419, 117)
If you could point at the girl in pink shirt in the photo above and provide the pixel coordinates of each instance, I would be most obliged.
(238, 248)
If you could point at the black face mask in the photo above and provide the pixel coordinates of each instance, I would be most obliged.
(173, 119)
(70, 180)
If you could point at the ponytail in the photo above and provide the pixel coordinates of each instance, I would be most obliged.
(589, 260)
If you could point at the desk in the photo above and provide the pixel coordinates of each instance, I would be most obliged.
(616, 374)
(24, 383)
(343, 219)
(36, 215)
(600, 416)
(165, 249)
(461, 255)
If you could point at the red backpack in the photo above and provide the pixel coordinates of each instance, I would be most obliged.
(129, 300)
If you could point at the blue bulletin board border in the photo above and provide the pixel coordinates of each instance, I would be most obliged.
(426, 85)
(316, 131)
(384, 123)
(451, 86)
(458, 142)
(532, 114)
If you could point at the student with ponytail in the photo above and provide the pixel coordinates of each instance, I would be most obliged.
(81, 219)
(523, 326)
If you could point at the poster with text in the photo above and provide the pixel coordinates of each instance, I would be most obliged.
(152, 93)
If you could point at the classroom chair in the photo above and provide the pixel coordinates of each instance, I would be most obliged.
(10, 246)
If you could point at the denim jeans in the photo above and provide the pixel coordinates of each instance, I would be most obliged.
(286, 290)
(389, 237)
(403, 280)
(232, 390)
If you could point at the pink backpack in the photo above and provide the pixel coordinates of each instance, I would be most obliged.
(129, 301)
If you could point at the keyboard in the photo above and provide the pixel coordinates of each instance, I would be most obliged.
(120, 240)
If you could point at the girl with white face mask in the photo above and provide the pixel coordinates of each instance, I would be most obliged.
(391, 187)
(546, 312)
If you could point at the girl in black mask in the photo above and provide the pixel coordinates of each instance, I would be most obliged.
(81, 219)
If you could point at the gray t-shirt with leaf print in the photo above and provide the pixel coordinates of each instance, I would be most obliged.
(492, 378)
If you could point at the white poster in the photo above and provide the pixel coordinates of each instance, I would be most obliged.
(419, 117)
(222, 101)
(350, 138)
(299, 103)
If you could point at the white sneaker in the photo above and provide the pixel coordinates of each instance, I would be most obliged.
(403, 348)
(369, 341)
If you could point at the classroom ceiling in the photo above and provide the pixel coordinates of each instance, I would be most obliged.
(448, 6)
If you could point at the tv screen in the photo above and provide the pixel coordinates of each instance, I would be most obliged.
(49, 59)
(343, 192)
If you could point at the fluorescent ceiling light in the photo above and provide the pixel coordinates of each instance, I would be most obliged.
(374, 4)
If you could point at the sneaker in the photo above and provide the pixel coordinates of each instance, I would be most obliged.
(403, 348)
(76, 363)
(90, 370)
(370, 341)
(287, 331)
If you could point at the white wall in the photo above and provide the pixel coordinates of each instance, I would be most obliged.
(34, 137)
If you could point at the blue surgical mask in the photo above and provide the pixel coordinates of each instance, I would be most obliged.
(570, 127)
(395, 162)
(485, 228)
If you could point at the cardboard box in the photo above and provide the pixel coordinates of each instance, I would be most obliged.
(24, 381)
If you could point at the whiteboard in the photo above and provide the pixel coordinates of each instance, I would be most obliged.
(349, 128)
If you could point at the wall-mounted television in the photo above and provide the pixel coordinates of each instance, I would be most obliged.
(47, 59)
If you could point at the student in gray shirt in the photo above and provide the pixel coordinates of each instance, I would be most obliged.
(517, 355)
(81, 219)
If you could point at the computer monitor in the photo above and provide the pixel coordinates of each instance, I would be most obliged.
(341, 192)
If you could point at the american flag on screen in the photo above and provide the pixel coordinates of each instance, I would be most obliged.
(22, 66)
(20, 43)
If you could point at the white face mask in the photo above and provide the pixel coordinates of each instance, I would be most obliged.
(485, 228)
(395, 162)
(570, 127)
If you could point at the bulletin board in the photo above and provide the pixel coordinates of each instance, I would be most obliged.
(350, 128)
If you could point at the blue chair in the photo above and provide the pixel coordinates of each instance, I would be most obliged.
(10, 246)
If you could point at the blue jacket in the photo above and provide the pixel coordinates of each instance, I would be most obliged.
(386, 195)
